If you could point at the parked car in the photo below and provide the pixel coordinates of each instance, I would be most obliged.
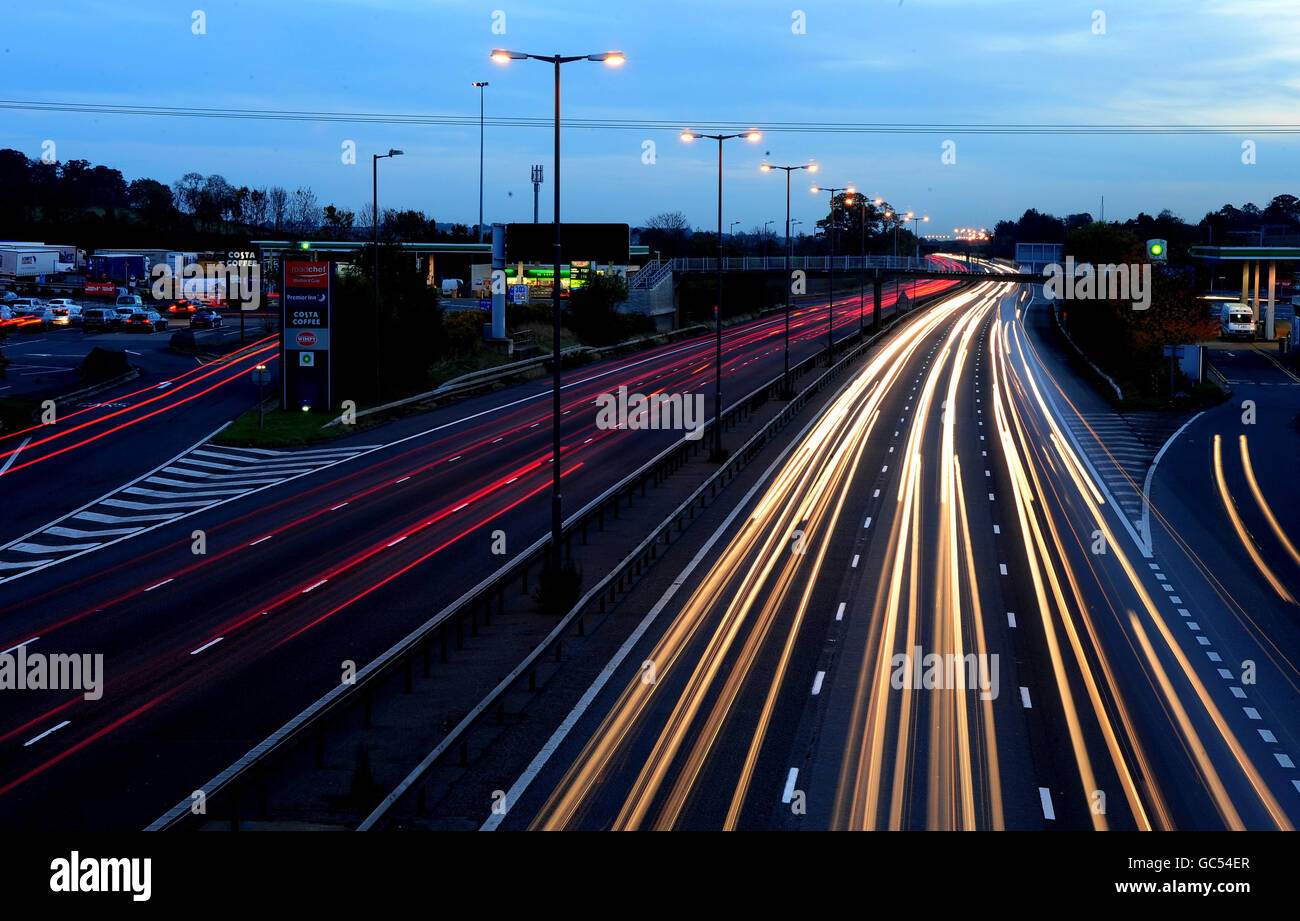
(62, 316)
(206, 318)
(185, 305)
(99, 320)
(26, 304)
(147, 321)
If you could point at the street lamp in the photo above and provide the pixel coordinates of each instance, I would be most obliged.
(611, 59)
(916, 232)
(830, 313)
(688, 137)
(374, 214)
(480, 85)
(765, 226)
(767, 168)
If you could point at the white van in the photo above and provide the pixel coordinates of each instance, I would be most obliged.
(1237, 322)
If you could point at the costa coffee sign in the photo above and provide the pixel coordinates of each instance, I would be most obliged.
(306, 274)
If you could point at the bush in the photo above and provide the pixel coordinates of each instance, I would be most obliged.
(105, 363)
(464, 332)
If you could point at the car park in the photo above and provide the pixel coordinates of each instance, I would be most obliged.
(206, 318)
(147, 321)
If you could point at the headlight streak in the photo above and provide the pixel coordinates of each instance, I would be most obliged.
(1230, 506)
(1263, 505)
(1192, 742)
(814, 482)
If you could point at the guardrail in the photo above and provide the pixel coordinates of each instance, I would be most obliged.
(250, 771)
(777, 263)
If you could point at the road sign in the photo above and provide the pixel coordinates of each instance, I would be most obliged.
(306, 294)
(306, 360)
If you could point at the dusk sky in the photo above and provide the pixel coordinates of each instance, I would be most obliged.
(933, 62)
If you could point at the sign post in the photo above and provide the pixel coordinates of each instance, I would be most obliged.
(306, 371)
(261, 377)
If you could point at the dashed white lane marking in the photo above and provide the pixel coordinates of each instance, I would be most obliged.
(314, 586)
(868, 523)
(159, 585)
(817, 683)
(876, 494)
(259, 540)
(788, 793)
(1002, 567)
(1045, 795)
(1011, 618)
(1251, 713)
(1267, 735)
(1024, 699)
(394, 543)
(337, 507)
(207, 645)
(1284, 760)
(884, 469)
(456, 458)
(839, 615)
(20, 645)
(402, 480)
(36, 739)
(855, 561)
(997, 529)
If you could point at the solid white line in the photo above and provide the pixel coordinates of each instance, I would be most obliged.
(20, 645)
(45, 733)
(788, 793)
(817, 683)
(1146, 483)
(1045, 795)
(159, 585)
(13, 457)
(195, 652)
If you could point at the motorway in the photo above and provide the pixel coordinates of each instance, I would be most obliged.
(227, 590)
(931, 613)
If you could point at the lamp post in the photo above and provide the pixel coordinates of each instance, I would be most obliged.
(612, 59)
(374, 213)
(916, 232)
(767, 168)
(480, 85)
(830, 312)
(765, 226)
(689, 136)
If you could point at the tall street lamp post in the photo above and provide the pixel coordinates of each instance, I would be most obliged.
(374, 214)
(767, 168)
(689, 136)
(480, 85)
(613, 59)
(830, 312)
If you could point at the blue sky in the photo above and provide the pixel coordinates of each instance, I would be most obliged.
(944, 62)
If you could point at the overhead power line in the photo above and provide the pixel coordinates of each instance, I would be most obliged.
(628, 124)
